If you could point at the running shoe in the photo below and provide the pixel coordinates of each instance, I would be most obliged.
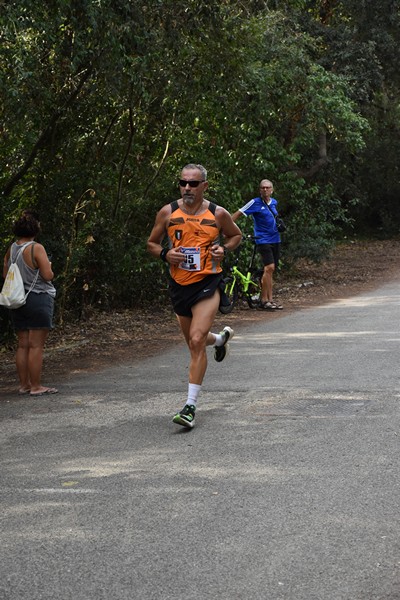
(221, 351)
(186, 416)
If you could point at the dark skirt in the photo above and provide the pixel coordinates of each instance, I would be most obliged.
(37, 313)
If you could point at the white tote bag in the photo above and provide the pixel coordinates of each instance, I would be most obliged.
(13, 293)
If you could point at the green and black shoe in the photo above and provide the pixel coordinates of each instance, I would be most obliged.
(221, 351)
(186, 416)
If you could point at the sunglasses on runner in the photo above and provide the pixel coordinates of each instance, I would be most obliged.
(192, 182)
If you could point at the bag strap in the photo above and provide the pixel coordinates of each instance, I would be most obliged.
(272, 212)
(16, 257)
(20, 250)
(33, 283)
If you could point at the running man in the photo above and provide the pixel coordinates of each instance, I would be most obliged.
(194, 228)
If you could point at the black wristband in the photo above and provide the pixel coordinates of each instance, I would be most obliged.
(225, 250)
(163, 254)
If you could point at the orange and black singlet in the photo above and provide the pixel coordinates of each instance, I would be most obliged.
(194, 234)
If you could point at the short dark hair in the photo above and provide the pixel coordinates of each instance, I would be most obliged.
(27, 225)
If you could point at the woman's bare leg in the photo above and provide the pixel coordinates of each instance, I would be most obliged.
(37, 340)
(21, 360)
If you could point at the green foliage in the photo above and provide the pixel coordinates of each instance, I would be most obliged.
(102, 103)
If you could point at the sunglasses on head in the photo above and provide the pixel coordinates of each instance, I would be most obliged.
(191, 183)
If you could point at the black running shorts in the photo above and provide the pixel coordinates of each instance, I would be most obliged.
(183, 297)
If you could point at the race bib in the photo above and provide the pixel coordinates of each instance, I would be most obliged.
(192, 259)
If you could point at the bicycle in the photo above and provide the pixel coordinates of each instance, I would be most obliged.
(238, 285)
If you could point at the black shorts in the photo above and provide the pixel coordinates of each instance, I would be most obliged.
(183, 297)
(270, 253)
(37, 313)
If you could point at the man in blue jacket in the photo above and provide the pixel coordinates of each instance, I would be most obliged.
(263, 209)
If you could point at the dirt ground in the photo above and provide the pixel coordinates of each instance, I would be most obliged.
(126, 336)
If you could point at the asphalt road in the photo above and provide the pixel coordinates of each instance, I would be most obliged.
(287, 488)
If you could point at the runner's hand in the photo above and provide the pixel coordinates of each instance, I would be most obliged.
(175, 256)
(217, 252)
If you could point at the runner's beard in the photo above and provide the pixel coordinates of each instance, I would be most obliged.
(188, 199)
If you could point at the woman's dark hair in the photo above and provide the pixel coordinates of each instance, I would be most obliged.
(27, 225)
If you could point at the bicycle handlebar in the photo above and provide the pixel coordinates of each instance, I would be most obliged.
(251, 237)
(245, 238)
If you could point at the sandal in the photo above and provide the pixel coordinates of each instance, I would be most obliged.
(45, 391)
(277, 306)
(269, 306)
(265, 306)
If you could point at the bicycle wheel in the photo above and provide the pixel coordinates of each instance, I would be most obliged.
(232, 292)
(253, 295)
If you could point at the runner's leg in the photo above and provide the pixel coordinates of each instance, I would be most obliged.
(196, 331)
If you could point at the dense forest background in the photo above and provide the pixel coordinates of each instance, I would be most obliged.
(103, 101)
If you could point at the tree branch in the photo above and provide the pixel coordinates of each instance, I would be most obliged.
(124, 160)
(45, 135)
(319, 164)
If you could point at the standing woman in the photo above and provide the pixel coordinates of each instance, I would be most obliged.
(33, 321)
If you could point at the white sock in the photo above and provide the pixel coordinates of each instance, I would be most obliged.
(193, 393)
(219, 340)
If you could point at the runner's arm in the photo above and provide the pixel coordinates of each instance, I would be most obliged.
(154, 246)
(230, 231)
